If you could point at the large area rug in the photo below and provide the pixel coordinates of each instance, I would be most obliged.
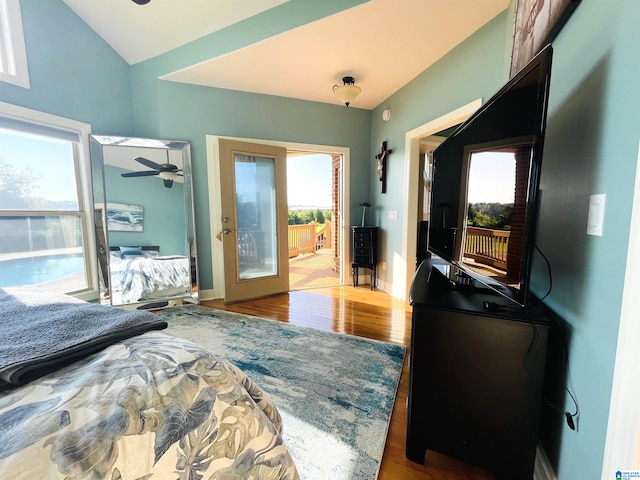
(335, 392)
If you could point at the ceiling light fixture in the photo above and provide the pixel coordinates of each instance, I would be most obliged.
(141, 2)
(168, 176)
(348, 92)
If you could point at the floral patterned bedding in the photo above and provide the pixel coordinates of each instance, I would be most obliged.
(150, 407)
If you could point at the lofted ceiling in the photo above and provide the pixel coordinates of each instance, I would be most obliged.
(383, 44)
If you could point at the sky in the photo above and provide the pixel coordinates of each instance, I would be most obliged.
(52, 160)
(492, 178)
(309, 181)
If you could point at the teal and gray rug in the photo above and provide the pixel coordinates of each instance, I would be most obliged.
(335, 392)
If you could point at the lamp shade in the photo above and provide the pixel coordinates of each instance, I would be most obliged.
(348, 92)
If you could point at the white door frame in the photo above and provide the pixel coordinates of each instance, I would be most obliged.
(623, 429)
(215, 212)
(403, 278)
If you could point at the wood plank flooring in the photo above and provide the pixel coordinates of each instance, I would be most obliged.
(371, 314)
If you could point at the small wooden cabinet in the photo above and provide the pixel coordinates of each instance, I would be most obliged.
(475, 374)
(365, 252)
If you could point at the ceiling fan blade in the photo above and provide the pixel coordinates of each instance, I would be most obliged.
(145, 173)
(168, 183)
(148, 163)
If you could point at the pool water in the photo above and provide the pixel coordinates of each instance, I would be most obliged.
(33, 270)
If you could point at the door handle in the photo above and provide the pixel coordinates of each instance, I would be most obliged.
(227, 231)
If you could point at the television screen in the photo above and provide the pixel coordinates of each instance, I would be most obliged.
(485, 181)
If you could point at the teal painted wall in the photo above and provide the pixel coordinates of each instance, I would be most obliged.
(73, 72)
(164, 222)
(591, 148)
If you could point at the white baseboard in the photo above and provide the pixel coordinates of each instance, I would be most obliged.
(206, 294)
(542, 469)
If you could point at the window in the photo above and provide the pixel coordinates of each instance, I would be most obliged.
(13, 56)
(45, 202)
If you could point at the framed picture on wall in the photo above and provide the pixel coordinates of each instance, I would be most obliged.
(124, 218)
(536, 24)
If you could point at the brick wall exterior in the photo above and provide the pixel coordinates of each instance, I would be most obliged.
(336, 161)
(516, 239)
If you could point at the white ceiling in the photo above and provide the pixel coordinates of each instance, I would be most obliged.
(383, 44)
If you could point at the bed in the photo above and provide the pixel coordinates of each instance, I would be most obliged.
(125, 401)
(141, 273)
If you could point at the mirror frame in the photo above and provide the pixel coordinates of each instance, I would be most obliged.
(97, 144)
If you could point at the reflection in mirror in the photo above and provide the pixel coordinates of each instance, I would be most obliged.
(496, 199)
(144, 221)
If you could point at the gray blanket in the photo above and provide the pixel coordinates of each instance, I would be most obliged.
(41, 332)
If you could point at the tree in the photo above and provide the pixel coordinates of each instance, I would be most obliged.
(490, 215)
(319, 216)
(16, 187)
(294, 218)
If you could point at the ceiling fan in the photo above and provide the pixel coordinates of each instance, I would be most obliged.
(166, 171)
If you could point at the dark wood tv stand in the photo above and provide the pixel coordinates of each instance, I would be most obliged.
(476, 374)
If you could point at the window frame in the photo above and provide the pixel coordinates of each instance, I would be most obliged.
(84, 186)
(14, 67)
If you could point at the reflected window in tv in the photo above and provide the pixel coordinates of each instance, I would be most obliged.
(497, 182)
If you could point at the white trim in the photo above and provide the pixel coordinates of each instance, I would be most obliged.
(542, 469)
(208, 294)
(83, 172)
(404, 274)
(13, 54)
(215, 207)
(215, 215)
(620, 452)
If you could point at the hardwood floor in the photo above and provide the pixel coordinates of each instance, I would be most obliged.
(371, 314)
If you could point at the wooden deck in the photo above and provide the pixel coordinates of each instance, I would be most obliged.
(312, 270)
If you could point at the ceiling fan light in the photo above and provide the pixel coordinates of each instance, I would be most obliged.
(168, 175)
(348, 92)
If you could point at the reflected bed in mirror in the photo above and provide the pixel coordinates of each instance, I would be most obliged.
(144, 221)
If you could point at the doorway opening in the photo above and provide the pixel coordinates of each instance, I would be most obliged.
(314, 201)
(413, 215)
(219, 225)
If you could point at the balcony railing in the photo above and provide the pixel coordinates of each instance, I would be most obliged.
(305, 239)
(487, 246)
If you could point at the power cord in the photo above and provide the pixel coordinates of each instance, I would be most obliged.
(548, 270)
(570, 418)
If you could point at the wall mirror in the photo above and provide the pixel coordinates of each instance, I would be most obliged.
(144, 220)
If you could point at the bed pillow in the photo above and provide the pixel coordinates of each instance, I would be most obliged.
(130, 251)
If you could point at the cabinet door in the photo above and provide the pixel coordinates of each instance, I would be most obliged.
(475, 389)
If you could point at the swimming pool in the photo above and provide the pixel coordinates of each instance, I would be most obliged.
(33, 270)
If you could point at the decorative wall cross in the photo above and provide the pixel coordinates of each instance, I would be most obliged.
(381, 169)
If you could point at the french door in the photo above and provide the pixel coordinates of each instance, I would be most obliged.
(254, 219)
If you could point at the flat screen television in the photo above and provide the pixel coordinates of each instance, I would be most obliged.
(485, 182)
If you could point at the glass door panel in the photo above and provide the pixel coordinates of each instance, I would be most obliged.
(256, 216)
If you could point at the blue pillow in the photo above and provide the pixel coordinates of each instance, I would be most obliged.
(130, 251)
